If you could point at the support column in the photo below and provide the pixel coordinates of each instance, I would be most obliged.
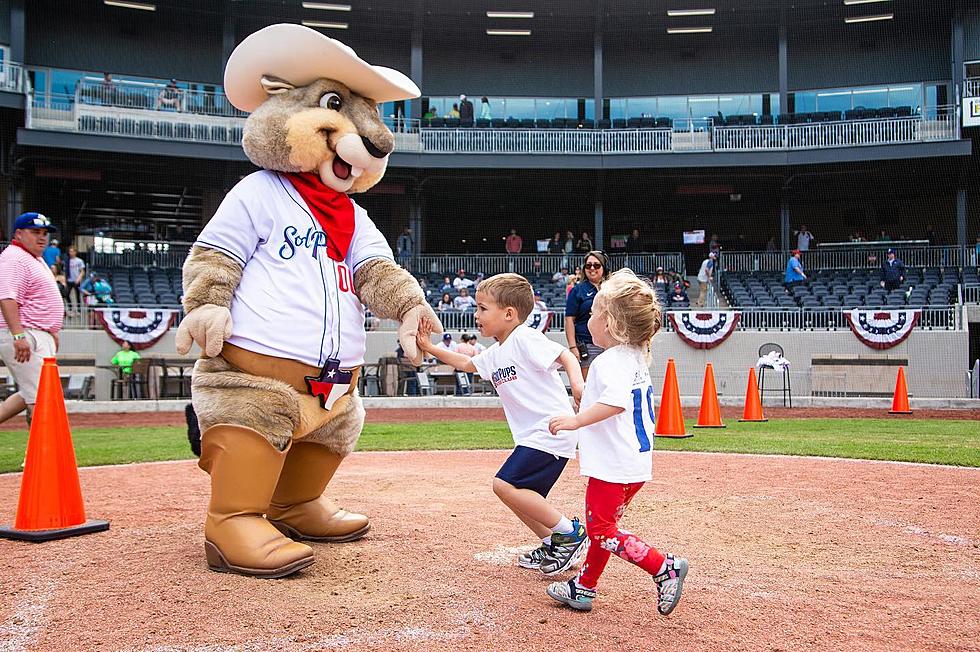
(415, 73)
(956, 61)
(783, 65)
(597, 62)
(17, 35)
(961, 217)
(227, 34)
(784, 221)
(415, 223)
(598, 236)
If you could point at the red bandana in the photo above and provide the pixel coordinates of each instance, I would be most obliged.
(333, 210)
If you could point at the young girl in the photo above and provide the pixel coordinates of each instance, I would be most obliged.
(616, 440)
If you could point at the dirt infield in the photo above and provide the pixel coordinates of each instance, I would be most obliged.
(786, 554)
(406, 415)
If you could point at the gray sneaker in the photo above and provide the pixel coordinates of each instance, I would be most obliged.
(669, 584)
(566, 550)
(533, 558)
(571, 594)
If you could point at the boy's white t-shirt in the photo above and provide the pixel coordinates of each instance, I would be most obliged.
(524, 371)
(293, 301)
(619, 449)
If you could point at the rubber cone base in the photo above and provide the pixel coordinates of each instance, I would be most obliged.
(37, 536)
(684, 436)
(721, 426)
(894, 412)
(752, 420)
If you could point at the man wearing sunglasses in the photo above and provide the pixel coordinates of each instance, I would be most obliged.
(578, 309)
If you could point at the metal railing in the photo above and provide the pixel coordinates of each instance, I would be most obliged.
(971, 87)
(531, 264)
(172, 258)
(860, 256)
(12, 77)
(155, 96)
(971, 293)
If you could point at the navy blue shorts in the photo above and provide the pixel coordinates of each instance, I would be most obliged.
(529, 468)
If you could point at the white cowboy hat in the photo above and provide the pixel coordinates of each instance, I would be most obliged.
(300, 55)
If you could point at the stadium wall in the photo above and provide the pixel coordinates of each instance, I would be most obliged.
(936, 365)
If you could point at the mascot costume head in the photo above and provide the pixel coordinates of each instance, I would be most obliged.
(275, 290)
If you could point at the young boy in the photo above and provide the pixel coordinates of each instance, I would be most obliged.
(523, 367)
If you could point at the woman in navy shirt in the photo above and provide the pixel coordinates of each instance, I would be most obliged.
(578, 309)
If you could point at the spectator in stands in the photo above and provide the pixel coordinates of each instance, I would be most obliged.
(169, 97)
(633, 244)
(426, 290)
(856, 236)
(454, 112)
(804, 238)
(447, 342)
(107, 90)
(76, 275)
(555, 244)
(52, 254)
(560, 277)
(461, 281)
(465, 109)
(445, 303)
(59, 278)
(661, 279)
(125, 358)
(96, 290)
(466, 347)
(883, 236)
(584, 244)
(31, 311)
(678, 298)
(976, 249)
(569, 244)
(706, 276)
(429, 114)
(405, 247)
(464, 301)
(539, 304)
(479, 279)
(771, 244)
(715, 244)
(573, 279)
(447, 285)
(578, 309)
(931, 236)
(485, 109)
(892, 271)
(794, 270)
(513, 243)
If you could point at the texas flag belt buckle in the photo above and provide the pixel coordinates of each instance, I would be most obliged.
(332, 383)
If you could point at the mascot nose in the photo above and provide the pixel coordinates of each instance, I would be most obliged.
(373, 149)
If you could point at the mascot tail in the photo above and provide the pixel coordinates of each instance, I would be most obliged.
(193, 429)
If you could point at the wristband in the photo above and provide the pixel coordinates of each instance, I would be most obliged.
(20, 336)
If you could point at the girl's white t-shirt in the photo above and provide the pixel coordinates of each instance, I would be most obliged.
(293, 301)
(619, 449)
(524, 371)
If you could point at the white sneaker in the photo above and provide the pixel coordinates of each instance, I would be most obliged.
(669, 584)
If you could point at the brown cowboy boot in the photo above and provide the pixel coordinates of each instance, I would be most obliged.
(300, 510)
(244, 469)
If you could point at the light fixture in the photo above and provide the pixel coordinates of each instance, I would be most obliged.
(320, 23)
(510, 14)
(509, 32)
(862, 2)
(325, 6)
(689, 30)
(125, 4)
(868, 19)
(690, 12)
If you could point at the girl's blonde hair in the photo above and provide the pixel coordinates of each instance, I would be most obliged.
(631, 306)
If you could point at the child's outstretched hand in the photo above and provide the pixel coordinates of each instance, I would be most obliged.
(423, 338)
(576, 396)
(562, 423)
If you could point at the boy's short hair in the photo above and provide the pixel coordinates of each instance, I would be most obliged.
(510, 291)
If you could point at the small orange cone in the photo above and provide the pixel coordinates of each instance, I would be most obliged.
(900, 403)
(709, 415)
(50, 505)
(670, 421)
(753, 404)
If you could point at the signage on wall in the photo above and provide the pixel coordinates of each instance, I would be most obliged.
(971, 111)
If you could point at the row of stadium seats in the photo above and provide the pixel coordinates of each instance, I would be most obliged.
(147, 288)
(159, 129)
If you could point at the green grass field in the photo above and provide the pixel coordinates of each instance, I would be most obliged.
(931, 441)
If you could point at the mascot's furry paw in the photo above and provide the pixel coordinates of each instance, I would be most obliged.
(193, 429)
(410, 327)
(208, 325)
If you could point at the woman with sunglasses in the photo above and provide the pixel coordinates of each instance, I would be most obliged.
(578, 309)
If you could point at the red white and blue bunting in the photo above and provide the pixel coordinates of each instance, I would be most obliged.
(882, 329)
(141, 328)
(704, 329)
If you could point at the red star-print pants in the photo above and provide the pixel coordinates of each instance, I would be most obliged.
(605, 503)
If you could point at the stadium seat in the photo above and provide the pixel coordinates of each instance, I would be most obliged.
(498, 123)
(619, 123)
(527, 123)
(604, 123)
(483, 123)
(513, 123)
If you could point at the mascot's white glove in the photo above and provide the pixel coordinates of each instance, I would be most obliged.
(208, 325)
(410, 327)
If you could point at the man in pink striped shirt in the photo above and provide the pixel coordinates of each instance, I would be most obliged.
(32, 311)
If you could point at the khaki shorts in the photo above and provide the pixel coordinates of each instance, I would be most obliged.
(27, 374)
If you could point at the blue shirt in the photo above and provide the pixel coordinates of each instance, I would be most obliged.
(794, 271)
(51, 254)
(579, 306)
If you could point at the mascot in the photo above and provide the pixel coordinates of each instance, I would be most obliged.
(274, 293)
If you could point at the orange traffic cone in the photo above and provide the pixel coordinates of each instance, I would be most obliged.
(670, 421)
(753, 404)
(709, 415)
(900, 403)
(50, 505)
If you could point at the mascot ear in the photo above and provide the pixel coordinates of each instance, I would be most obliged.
(275, 86)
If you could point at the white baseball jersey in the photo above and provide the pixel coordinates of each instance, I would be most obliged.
(293, 301)
(619, 449)
(524, 371)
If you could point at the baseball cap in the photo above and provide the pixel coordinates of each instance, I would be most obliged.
(794, 252)
(447, 336)
(712, 255)
(890, 251)
(33, 221)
